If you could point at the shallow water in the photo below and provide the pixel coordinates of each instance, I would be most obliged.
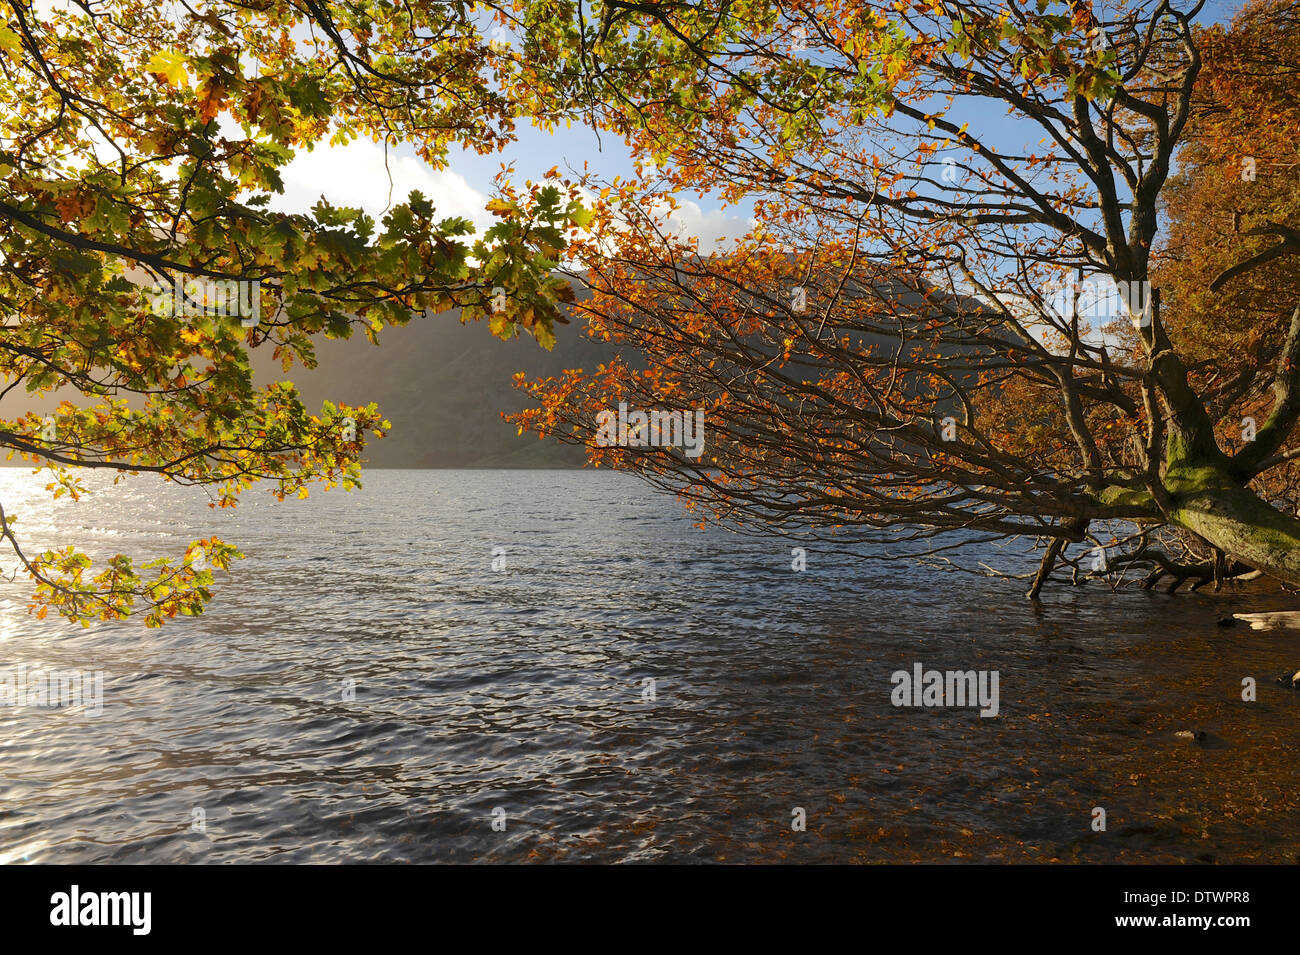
(524, 691)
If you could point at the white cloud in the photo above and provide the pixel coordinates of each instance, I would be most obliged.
(690, 219)
(355, 175)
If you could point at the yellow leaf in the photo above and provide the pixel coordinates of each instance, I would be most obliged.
(545, 337)
(9, 40)
(171, 66)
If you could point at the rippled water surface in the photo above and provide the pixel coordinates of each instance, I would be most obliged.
(525, 690)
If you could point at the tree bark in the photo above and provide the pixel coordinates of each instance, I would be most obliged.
(1208, 502)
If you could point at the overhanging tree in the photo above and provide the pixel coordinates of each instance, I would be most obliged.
(139, 145)
(853, 385)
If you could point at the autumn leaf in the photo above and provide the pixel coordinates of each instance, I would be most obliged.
(10, 42)
(170, 65)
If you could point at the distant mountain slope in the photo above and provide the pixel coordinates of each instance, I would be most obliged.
(444, 386)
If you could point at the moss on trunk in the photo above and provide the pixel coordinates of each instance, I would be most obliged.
(1209, 503)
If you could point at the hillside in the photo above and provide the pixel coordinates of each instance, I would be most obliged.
(444, 386)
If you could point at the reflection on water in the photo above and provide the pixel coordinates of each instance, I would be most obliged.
(526, 690)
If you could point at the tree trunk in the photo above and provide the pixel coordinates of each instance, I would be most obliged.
(1207, 502)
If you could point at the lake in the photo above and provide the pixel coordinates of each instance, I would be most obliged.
(623, 687)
